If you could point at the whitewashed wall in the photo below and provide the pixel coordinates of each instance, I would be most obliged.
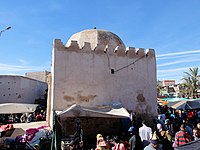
(19, 89)
(83, 76)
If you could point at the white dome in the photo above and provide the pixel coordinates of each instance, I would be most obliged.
(95, 37)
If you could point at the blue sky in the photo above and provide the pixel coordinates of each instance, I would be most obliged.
(171, 27)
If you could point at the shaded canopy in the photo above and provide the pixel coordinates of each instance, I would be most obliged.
(185, 105)
(11, 108)
(106, 112)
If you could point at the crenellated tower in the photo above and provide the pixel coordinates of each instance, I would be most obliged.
(94, 68)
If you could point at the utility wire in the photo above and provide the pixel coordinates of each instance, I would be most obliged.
(128, 64)
(113, 71)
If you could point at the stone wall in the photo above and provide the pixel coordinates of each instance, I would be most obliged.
(40, 76)
(104, 75)
(19, 89)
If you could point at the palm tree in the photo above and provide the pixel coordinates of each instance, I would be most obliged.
(159, 88)
(191, 83)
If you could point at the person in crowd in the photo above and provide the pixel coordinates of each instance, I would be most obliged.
(23, 118)
(99, 137)
(44, 115)
(109, 143)
(196, 134)
(183, 114)
(169, 126)
(154, 145)
(30, 117)
(135, 140)
(16, 118)
(11, 118)
(188, 127)
(182, 137)
(164, 137)
(101, 143)
(79, 131)
(75, 145)
(38, 117)
(118, 145)
(145, 133)
(138, 123)
(198, 128)
(198, 125)
(190, 114)
(198, 115)
(162, 117)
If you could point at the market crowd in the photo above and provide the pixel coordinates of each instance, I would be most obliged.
(38, 115)
(173, 128)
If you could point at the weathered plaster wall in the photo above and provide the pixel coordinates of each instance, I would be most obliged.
(40, 76)
(83, 76)
(49, 105)
(18, 89)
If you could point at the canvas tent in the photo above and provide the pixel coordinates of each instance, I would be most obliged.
(185, 105)
(11, 108)
(76, 111)
(114, 111)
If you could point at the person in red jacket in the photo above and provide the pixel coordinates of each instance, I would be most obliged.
(182, 137)
(118, 144)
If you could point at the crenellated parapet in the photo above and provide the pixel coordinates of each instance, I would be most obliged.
(95, 68)
(120, 50)
(58, 44)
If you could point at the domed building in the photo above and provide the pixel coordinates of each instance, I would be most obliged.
(96, 78)
(96, 37)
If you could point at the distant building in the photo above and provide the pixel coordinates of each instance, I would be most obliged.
(168, 82)
(20, 89)
(40, 76)
(168, 89)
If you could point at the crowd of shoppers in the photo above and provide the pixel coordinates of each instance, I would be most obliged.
(38, 115)
(174, 128)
